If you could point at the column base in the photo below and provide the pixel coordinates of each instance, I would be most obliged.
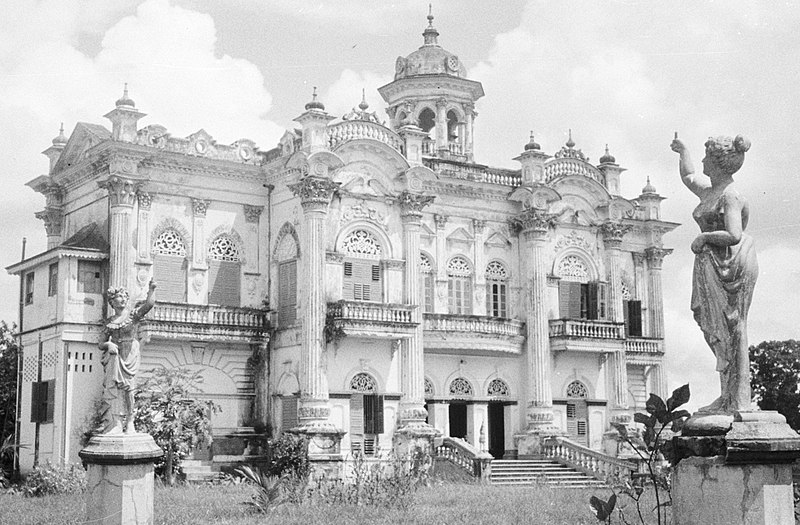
(742, 476)
(541, 426)
(120, 478)
(413, 436)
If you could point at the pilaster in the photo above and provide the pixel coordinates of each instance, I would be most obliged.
(252, 217)
(440, 291)
(121, 196)
(441, 126)
(479, 256)
(655, 259)
(642, 289)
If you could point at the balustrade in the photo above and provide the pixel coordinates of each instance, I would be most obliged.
(586, 328)
(643, 346)
(473, 172)
(565, 167)
(208, 314)
(465, 456)
(371, 312)
(361, 129)
(473, 323)
(586, 460)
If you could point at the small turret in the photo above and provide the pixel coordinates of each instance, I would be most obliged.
(314, 121)
(54, 152)
(532, 160)
(124, 118)
(608, 165)
(650, 201)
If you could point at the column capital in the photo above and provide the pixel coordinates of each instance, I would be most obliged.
(121, 190)
(441, 103)
(534, 221)
(411, 204)
(315, 192)
(200, 207)
(478, 225)
(655, 256)
(440, 220)
(638, 258)
(613, 232)
(53, 219)
(145, 200)
(252, 213)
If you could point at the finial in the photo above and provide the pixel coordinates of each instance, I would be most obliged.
(363, 105)
(532, 145)
(430, 15)
(570, 142)
(649, 188)
(125, 100)
(315, 104)
(608, 158)
(61, 139)
(430, 32)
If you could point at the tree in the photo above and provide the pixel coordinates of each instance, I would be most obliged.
(774, 378)
(168, 408)
(8, 396)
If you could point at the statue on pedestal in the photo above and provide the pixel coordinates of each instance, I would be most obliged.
(121, 359)
(725, 267)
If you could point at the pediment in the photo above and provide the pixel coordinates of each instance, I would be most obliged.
(497, 240)
(84, 137)
(425, 231)
(460, 235)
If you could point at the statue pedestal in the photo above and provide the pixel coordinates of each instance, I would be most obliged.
(414, 435)
(743, 476)
(120, 478)
(324, 448)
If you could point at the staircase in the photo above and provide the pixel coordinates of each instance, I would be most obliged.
(543, 471)
(197, 471)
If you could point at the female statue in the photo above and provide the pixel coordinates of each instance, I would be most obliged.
(725, 266)
(121, 359)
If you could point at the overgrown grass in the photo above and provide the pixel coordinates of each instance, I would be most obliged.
(443, 503)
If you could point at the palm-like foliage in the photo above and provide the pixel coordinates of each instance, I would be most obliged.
(268, 488)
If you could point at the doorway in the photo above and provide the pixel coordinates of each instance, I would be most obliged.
(458, 420)
(497, 429)
(578, 421)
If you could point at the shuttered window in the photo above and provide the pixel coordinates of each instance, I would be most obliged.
(362, 280)
(496, 299)
(582, 300)
(633, 318)
(427, 292)
(52, 280)
(169, 272)
(29, 287)
(224, 283)
(459, 295)
(90, 277)
(287, 293)
(288, 413)
(43, 401)
(366, 422)
(577, 421)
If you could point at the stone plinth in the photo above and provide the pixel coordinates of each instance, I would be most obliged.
(120, 478)
(742, 476)
(414, 436)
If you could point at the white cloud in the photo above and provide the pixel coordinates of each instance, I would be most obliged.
(345, 93)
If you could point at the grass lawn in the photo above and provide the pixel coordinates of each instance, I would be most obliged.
(456, 503)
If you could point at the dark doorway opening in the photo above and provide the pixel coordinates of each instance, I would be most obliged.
(458, 420)
(497, 430)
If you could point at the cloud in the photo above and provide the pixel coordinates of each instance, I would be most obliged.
(345, 93)
(166, 53)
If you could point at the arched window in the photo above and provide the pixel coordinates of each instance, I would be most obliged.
(459, 286)
(461, 387)
(366, 414)
(286, 255)
(497, 388)
(576, 389)
(363, 276)
(170, 265)
(455, 133)
(496, 289)
(429, 392)
(426, 269)
(578, 296)
(363, 382)
(427, 119)
(577, 412)
(224, 271)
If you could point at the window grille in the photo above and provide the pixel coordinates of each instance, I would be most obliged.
(170, 242)
(577, 389)
(223, 248)
(461, 387)
(362, 243)
(497, 388)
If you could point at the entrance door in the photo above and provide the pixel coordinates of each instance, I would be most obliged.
(578, 421)
(458, 420)
(497, 430)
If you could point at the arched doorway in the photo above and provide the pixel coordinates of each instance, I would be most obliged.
(460, 390)
(577, 413)
(498, 393)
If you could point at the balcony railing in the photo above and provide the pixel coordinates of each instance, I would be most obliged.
(206, 321)
(643, 346)
(586, 328)
(474, 172)
(473, 324)
(360, 129)
(371, 312)
(588, 461)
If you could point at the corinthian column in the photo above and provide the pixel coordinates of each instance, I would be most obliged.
(315, 195)
(535, 224)
(413, 431)
(613, 232)
(655, 258)
(121, 196)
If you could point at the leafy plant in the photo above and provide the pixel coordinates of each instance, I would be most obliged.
(50, 479)
(269, 492)
(169, 409)
(8, 398)
(603, 509)
(286, 455)
(661, 416)
(333, 330)
(774, 377)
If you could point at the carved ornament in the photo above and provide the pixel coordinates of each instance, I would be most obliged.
(613, 232)
(478, 225)
(314, 192)
(200, 207)
(655, 256)
(363, 211)
(121, 190)
(145, 200)
(411, 204)
(573, 239)
(440, 220)
(313, 412)
(534, 220)
(252, 213)
(53, 220)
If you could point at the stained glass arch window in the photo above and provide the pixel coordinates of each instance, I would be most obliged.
(461, 387)
(576, 389)
(497, 388)
(363, 382)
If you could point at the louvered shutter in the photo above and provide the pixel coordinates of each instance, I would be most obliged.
(35, 401)
(591, 300)
(170, 273)
(362, 281)
(377, 415)
(224, 278)
(287, 293)
(569, 299)
(288, 413)
(356, 414)
(633, 319)
(602, 300)
(49, 408)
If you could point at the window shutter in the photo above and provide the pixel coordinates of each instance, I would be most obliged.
(602, 300)
(626, 316)
(357, 414)
(169, 272)
(35, 402)
(288, 413)
(376, 273)
(224, 278)
(287, 293)
(635, 318)
(569, 299)
(378, 415)
(467, 295)
(592, 302)
(49, 408)
(365, 292)
(348, 269)
(369, 414)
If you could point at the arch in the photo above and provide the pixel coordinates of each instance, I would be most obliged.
(170, 223)
(225, 248)
(287, 244)
(363, 375)
(497, 270)
(576, 389)
(461, 387)
(169, 242)
(425, 117)
(232, 237)
(498, 387)
(429, 389)
(460, 266)
(363, 244)
(288, 384)
(575, 264)
(426, 263)
(363, 382)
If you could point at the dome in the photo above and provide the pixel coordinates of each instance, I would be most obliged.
(532, 145)
(608, 158)
(61, 139)
(649, 188)
(430, 59)
(125, 100)
(315, 104)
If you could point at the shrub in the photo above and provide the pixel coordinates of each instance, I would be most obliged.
(50, 479)
(286, 455)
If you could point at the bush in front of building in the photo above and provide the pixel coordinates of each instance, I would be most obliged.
(51, 479)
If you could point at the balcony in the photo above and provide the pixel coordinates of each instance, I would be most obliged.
(644, 350)
(448, 333)
(586, 335)
(206, 322)
(373, 320)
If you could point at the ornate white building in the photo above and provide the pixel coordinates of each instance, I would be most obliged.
(368, 283)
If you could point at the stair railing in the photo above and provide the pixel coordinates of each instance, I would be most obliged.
(591, 462)
(465, 456)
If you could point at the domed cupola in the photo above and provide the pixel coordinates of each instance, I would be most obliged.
(430, 90)
(607, 158)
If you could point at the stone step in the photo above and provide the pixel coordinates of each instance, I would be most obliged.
(540, 471)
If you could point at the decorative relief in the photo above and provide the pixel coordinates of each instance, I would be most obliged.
(313, 412)
(361, 242)
(224, 249)
(573, 268)
(142, 276)
(362, 211)
(460, 387)
(200, 207)
(533, 219)
(496, 271)
(363, 382)
(497, 388)
(251, 284)
(440, 220)
(121, 191)
(429, 392)
(170, 223)
(425, 265)
(314, 191)
(613, 232)
(170, 242)
(573, 239)
(459, 267)
(153, 135)
(625, 291)
(478, 225)
(252, 213)
(655, 256)
(334, 257)
(145, 200)
(198, 278)
(245, 149)
(576, 389)
(395, 264)
(53, 220)
(413, 203)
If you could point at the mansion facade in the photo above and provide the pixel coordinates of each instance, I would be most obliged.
(365, 282)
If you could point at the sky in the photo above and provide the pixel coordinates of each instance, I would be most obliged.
(627, 73)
